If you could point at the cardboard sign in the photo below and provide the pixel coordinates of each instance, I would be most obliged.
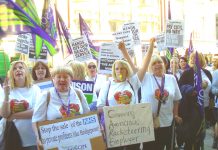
(128, 124)
(108, 54)
(87, 87)
(174, 33)
(81, 49)
(23, 42)
(125, 36)
(134, 28)
(82, 132)
(45, 84)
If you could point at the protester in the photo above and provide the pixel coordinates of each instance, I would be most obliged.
(183, 65)
(40, 71)
(186, 80)
(174, 68)
(78, 69)
(19, 101)
(215, 92)
(123, 87)
(64, 100)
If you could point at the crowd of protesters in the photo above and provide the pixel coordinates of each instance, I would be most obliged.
(24, 104)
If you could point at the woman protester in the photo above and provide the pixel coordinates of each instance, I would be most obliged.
(61, 101)
(162, 91)
(215, 92)
(190, 113)
(19, 101)
(40, 71)
(123, 87)
(183, 65)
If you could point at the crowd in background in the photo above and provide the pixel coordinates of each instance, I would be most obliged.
(168, 85)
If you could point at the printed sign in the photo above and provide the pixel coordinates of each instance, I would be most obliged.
(45, 85)
(82, 132)
(128, 124)
(134, 28)
(125, 36)
(160, 39)
(81, 49)
(174, 33)
(23, 42)
(108, 54)
(87, 87)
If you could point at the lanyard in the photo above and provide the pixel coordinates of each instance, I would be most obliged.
(67, 108)
(161, 87)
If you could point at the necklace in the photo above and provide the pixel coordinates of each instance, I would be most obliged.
(66, 107)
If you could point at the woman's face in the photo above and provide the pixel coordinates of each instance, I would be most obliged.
(40, 72)
(192, 61)
(182, 64)
(120, 72)
(174, 64)
(92, 69)
(19, 72)
(157, 68)
(62, 82)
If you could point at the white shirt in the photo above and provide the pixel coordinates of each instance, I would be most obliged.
(24, 126)
(148, 88)
(116, 87)
(52, 112)
(207, 90)
(1, 96)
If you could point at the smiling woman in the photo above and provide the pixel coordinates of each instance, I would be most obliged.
(40, 71)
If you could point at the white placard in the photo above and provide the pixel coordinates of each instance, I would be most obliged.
(134, 28)
(81, 49)
(23, 42)
(174, 33)
(125, 36)
(109, 52)
(128, 124)
(160, 40)
(70, 133)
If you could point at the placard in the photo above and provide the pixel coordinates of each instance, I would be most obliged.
(82, 132)
(45, 84)
(128, 124)
(174, 33)
(160, 40)
(23, 42)
(134, 28)
(109, 52)
(81, 49)
(125, 36)
(87, 87)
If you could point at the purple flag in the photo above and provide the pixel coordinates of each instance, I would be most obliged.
(14, 20)
(190, 48)
(64, 33)
(85, 30)
(198, 84)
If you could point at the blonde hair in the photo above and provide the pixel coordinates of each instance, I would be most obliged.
(28, 77)
(215, 64)
(88, 63)
(78, 69)
(201, 59)
(125, 65)
(154, 59)
(62, 69)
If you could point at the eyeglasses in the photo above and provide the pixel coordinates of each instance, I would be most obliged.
(91, 66)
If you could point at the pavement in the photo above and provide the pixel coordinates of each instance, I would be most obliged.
(208, 139)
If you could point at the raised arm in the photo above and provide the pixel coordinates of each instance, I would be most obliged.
(123, 49)
(146, 60)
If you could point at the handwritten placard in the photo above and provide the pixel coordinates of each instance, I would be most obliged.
(129, 124)
(108, 54)
(87, 87)
(81, 49)
(174, 33)
(72, 133)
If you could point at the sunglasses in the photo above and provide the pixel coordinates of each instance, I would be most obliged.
(91, 66)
